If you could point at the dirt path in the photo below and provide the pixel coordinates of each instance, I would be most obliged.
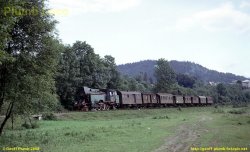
(185, 137)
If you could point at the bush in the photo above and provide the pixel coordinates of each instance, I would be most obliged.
(34, 125)
(239, 111)
(239, 104)
(219, 110)
(26, 126)
(30, 126)
(161, 117)
(49, 116)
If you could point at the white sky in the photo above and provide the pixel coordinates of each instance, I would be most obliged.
(213, 33)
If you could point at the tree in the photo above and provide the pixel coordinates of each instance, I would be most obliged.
(165, 76)
(79, 66)
(185, 80)
(145, 77)
(28, 61)
(151, 80)
(113, 76)
(221, 89)
(67, 80)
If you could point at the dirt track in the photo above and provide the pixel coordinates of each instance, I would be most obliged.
(185, 137)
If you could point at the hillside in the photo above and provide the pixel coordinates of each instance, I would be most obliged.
(193, 69)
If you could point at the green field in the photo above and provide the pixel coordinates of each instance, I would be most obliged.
(169, 129)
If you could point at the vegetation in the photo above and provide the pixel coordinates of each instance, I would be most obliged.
(29, 52)
(134, 130)
(165, 76)
(79, 66)
(180, 67)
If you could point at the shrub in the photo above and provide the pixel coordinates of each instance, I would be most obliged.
(34, 125)
(239, 104)
(161, 117)
(30, 126)
(239, 111)
(219, 110)
(49, 116)
(26, 125)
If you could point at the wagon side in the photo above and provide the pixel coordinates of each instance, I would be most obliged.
(202, 100)
(178, 100)
(129, 98)
(187, 100)
(165, 99)
(209, 100)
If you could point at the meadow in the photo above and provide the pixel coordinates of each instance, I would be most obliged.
(141, 130)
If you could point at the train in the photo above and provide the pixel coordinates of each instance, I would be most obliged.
(106, 99)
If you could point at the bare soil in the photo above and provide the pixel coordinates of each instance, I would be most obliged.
(185, 137)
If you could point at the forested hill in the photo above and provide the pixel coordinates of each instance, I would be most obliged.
(192, 69)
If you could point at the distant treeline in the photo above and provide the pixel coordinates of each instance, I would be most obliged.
(180, 67)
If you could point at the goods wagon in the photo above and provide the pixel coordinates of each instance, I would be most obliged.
(129, 98)
(187, 100)
(149, 99)
(209, 100)
(194, 100)
(202, 100)
(178, 100)
(165, 98)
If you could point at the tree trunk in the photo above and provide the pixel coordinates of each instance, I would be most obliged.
(2, 85)
(7, 116)
(1, 103)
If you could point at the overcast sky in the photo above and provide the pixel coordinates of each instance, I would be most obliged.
(213, 33)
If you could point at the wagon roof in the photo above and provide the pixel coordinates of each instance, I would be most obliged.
(148, 93)
(194, 96)
(201, 96)
(164, 94)
(178, 95)
(129, 92)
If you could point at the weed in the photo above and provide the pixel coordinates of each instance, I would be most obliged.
(237, 111)
(26, 125)
(34, 125)
(45, 141)
(219, 110)
(49, 116)
(239, 104)
(67, 133)
(161, 117)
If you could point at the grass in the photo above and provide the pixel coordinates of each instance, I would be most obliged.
(228, 130)
(237, 111)
(129, 130)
